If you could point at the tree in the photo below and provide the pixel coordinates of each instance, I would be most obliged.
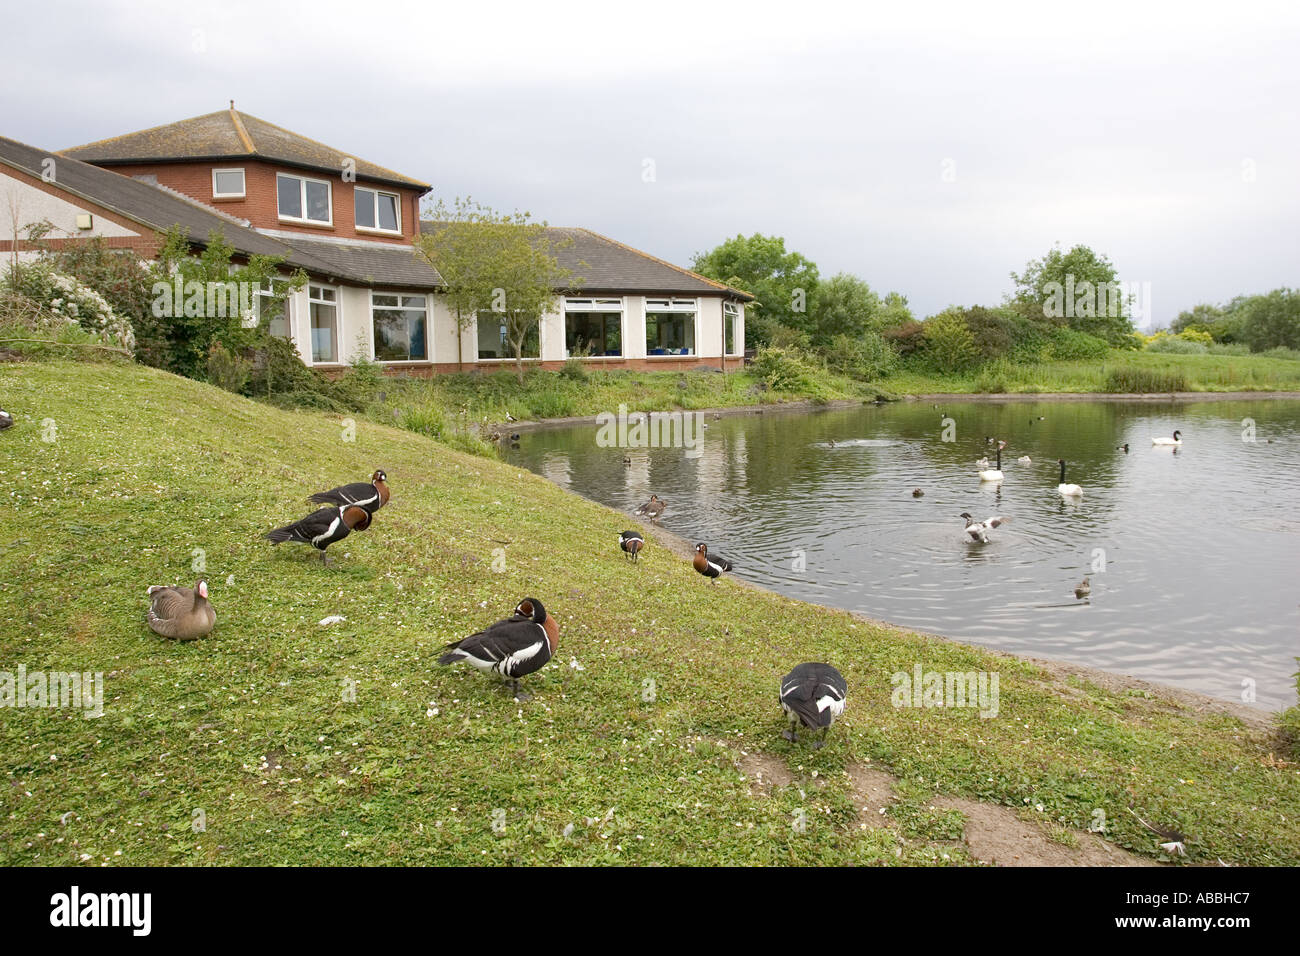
(844, 305)
(499, 263)
(1272, 320)
(784, 283)
(949, 344)
(1080, 287)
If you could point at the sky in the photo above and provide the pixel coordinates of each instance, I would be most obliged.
(930, 150)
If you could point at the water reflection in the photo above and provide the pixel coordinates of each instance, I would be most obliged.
(1198, 542)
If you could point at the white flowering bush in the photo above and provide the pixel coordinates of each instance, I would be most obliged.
(74, 303)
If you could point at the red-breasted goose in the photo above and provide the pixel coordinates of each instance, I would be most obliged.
(371, 495)
(812, 694)
(979, 530)
(512, 648)
(631, 543)
(710, 565)
(323, 527)
(652, 509)
(183, 614)
(6, 420)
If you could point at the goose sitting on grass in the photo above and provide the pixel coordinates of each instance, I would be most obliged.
(183, 614)
(979, 530)
(1065, 490)
(1168, 442)
(994, 473)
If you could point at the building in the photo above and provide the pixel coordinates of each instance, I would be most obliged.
(351, 225)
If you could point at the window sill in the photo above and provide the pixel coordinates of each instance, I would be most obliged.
(306, 222)
(389, 233)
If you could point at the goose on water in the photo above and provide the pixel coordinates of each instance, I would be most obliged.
(994, 473)
(979, 530)
(1066, 490)
(1084, 588)
(1176, 440)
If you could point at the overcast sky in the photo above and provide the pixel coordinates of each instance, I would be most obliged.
(930, 150)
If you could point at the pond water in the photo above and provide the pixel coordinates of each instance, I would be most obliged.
(1194, 554)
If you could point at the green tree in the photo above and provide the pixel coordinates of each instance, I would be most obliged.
(502, 263)
(1080, 287)
(1272, 320)
(844, 305)
(949, 344)
(783, 282)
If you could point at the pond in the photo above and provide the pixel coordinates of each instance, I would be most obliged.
(1193, 553)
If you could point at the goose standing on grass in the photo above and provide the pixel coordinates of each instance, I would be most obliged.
(183, 614)
(812, 694)
(513, 648)
(1084, 588)
(1176, 440)
(994, 473)
(652, 509)
(6, 420)
(370, 495)
(631, 543)
(979, 530)
(1067, 491)
(323, 527)
(712, 566)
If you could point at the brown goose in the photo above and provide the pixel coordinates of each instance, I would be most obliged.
(652, 509)
(182, 614)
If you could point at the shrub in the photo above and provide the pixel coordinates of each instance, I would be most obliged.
(907, 338)
(227, 370)
(949, 344)
(995, 377)
(1176, 345)
(1127, 378)
(784, 369)
(1072, 346)
(64, 299)
(574, 370)
(868, 356)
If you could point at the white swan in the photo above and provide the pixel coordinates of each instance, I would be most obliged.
(995, 473)
(982, 464)
(979, 530)
(1067, 491)
(1176, 440)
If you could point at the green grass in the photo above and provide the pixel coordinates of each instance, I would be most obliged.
(252, 725)
(1144, 370)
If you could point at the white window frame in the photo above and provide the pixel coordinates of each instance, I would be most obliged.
(677, 305)
(243, 177)
(337, 303)
(541, 342)
(596, 305)
(730, 310)
(302, 198)
(428, 325)
(376, 193)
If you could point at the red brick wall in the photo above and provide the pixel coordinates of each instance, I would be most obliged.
(259, 203)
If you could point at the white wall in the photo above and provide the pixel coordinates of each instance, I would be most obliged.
(29, 205)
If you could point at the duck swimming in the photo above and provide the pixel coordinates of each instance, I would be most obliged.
(979, 530)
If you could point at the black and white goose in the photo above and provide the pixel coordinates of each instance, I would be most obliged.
(6, 420)
(370, 495)
(512, 648)
(323, 527)
(631, 543)
(812, 694)
(979, 530)
(711, 566)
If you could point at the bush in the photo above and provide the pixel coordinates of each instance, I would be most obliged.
(1071, 346)
(995, 377)
(63, 299)
(784, 369)
(907, 339)
(866, 357)
(227, 370)
(1176, 345)
(1131, 379)
(949, 344)
(574, 370)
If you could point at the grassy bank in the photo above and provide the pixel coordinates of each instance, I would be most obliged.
(636, 744)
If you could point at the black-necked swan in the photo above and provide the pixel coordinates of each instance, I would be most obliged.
(994, 473)
(1067, 491)
(1176, 440)
(979, 530)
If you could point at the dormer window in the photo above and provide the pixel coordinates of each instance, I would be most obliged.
(377, 210)
(300, 199)
(228, 184)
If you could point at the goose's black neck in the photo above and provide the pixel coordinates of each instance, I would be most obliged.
(1062, 472)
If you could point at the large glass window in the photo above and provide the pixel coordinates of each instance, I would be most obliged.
(670, 327)
(304, 200)
(323, 303)
(376, 210)
(401, 324)
(730, 321)
(272, 305)
(593, 327)
(493, 341)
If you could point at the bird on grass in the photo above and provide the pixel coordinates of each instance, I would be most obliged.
(631, 543)
(323, 527)
(712, 566)
(370, 495)
(1084, 588)
(652, 509)
(1175, 843)
(6, 420)
(979, 530)
(812, 694)
(513, 648)
(183, 614)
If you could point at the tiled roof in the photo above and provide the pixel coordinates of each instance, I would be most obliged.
(606, 265)
(229, 135)
(370, 263)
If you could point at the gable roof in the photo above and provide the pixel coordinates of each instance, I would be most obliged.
(157, 208)
(230, 136)
(607, 265)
